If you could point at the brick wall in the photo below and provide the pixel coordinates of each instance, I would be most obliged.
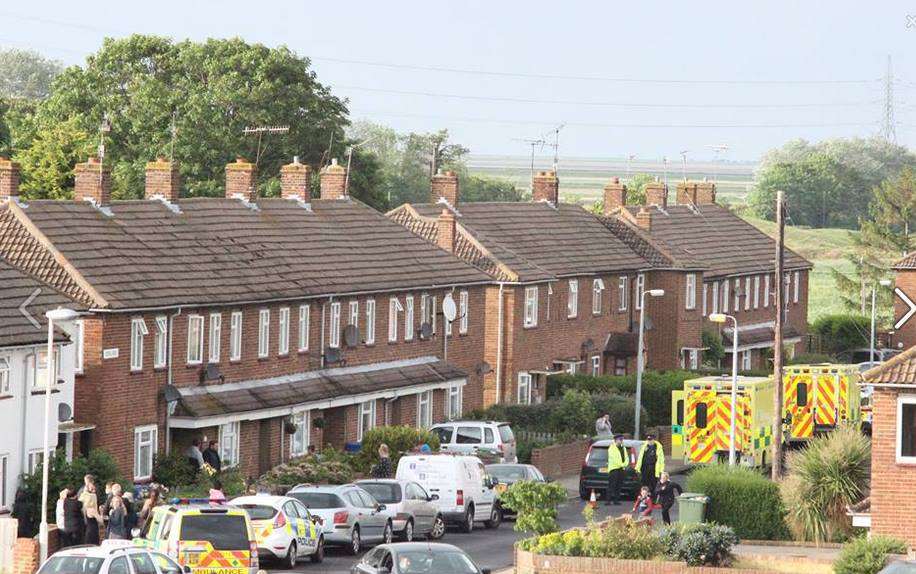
(25, 556)
(528, 563)
(893, 509)
(560, 459)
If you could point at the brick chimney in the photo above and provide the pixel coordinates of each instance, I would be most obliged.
(162, 179)
(644, 218)
(656, 194)
(444, 185)
(615, 196)
(545, 187)
(334, 181)
(706, 192)
(445, 239)
(9, 179)
(93, 182)
(296, 180)
(242, 179)
(686, 193)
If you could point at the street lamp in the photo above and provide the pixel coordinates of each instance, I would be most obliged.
(722, 318)
(871, 345)
(58, 315)
(639, 352)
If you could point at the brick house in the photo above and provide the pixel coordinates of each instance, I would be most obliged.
(267, 324)
(905, 280)
(567, 286)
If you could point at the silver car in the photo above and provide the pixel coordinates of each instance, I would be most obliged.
(350, 516)
(412, 509)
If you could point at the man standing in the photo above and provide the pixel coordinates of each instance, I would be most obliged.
(617, 462)
(651, 462)
(195, 458)
(603, 426)
(211, 456)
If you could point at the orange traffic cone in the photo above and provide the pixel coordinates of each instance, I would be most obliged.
(593, 500)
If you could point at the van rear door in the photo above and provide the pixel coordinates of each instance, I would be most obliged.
(437, 474)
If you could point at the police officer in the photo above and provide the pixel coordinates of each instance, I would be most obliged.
(617, 462)
(651, 462)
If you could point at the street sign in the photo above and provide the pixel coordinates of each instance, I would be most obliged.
(911, 308)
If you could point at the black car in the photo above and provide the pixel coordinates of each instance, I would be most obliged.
(594, 475)
(416, 558)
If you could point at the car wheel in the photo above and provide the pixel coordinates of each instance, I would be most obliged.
(496, 517)
(407, 535)
(584, 494)
(356, 544)
(438, 530)
(468, 525)
(388, 534)
(290, 561)
(318, 555)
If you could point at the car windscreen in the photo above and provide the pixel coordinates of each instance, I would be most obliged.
(597, 456)
(384, 492)
(317, 500)
(72, 565)
(505, 433)
(435, 562)
(507, 473)
(222, 531)
(258, 511)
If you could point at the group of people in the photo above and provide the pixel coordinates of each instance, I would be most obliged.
(656, 490)
(209, 456)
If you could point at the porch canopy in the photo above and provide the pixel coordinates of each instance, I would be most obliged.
(758, 337)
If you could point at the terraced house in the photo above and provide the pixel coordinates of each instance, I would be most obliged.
(266, 324)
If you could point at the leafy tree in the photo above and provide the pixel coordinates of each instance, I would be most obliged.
(50, 158)
(840, 333)
(25, 74)
(636, 192)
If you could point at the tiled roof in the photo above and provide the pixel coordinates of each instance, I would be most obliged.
(534, 241)
(653, 249)
(908, 262)
(714, 236)
(223, 251)
(18, 293)
(898, 370)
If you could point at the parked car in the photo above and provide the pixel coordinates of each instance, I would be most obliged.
(283, 527)
(110, 559)
(490, 440)
(509, 474)
(900, 567)
(414, 510)
(350, 516)
(417, 558)
(466, 493)
(594, 475)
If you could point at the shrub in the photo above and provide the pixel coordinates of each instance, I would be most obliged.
(615, 540)
(714, 352)
(232, 481)
(575, 413)
(173, 470)
(823, 478)
(524, 447)
(307, 469)
(842, 332)
(536, 505)
(743, 499)
(699, 544)
(867, 555)
(399, 438)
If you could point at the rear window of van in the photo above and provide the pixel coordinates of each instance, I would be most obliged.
(222, 531)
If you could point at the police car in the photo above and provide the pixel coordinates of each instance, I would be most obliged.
(110, 558)
(283, 527)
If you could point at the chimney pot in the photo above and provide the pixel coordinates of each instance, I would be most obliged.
(444, 185)
(615, 196)
(545, 187)
(445, 237)
(92, 182)
(656, 194)
(333, 181)
(242, 179)
(616, 180)
(296, 180)
(686, 193)
(162, 179)
(9, 179)
(644, 219)
(706, 193)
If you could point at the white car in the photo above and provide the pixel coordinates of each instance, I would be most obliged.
(283, 527)
(110, 559)
(465, 492)
(490, 440)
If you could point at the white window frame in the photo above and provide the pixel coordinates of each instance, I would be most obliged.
(455, 400)
(796, 276)
(334, 326)
(161, 343)
(370, 321)
(787, 279)
(433, 314)
(4, 479)
(746, 360)
(353, 313)
(195, 344)
(705, 295)
(394, 306)
(747, 293)
(463, 312)
(424, 409)
(263, 333)
(623, 291)
(898, 434)
(766, 290)
(137, 331)
(597, 290)
(299, 441)
(596, 365)
(409, 318)
(305, 318)
(690, 291)
(725, 299)
(640, 287)
(235, 336)
(523, 394)
(6, 389)
(756, 291)
(572, 299)
(146, 436)
(531, 306)
(36, 455)
(364, 409)
(229, 443)
(283, 331)
(79, 341)
(715, 297)
(214, 344)
(737, 294)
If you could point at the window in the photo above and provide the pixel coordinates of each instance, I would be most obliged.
(747, 293)
(597, 290)
(5, 389)
(691, 292)
(455, 400)
(620, 366)
(737, 306)
(623, 293)
(572, 302)
(596, 365)
(801, 394)
(304, 318)
(705, 292)
(796, 277)
(715, 298)
(35, 458)
(469, 435)
(118, 566)
(299, 440)
(263, 333)
(229, 444)
(145, 446)
(78, 345)
(640, 286)
(137, 331)
(216, 333)
(408, 316)
(425, 409)
(366, 419)
(195, 339)
(524, 389)
(745, 360)
(393, 307)
(432, 310)
(756, 291)
(531, 306)
(354, 313)
(37, 374)
(283, 331)
(334, 327)
(463, 312)
(370, 321)
(702, 412)
(766, 291)
(694, 359)
(235, 336)
(906, 429)
(161, 342)
(725, 285)
(4, 479)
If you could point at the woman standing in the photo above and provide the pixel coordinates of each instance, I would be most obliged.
(148, 505)
(74, 521)
(90, 501)
(383, 468)
(117, 519)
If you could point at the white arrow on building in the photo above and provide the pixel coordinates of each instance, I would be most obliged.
(910, 312)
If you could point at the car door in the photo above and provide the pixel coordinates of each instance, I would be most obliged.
(141, 563)
(423, 510)
(297, 527)
(119, 566)
(164, 564)
(372, 521)
(483, 494)
(311, 529)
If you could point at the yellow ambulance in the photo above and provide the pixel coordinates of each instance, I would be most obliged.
(817, 398)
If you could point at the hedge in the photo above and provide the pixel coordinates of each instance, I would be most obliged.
(867, 555)
(400, 439)
(743, 499)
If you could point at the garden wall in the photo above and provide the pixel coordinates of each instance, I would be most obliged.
(529, 563)
(560, 459)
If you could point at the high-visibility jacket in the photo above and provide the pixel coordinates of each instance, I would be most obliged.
(659, 458)
(614, 460)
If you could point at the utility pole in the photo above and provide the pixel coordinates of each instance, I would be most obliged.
(777, 342)
(889, 122)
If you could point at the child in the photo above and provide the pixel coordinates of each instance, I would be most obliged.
(216, 493)
(642, 506)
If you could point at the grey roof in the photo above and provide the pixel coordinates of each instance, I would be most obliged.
(20, 292)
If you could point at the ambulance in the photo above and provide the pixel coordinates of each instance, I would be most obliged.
(817, 398)
(701, 419)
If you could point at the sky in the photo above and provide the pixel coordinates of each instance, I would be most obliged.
(648, 79)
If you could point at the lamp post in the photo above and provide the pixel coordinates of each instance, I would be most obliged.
(871, 343)
(639, 352)
(722, 318)
(58, 315)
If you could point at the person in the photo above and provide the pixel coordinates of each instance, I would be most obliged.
(422, 447)
(152, 500)
(90, 502)
(74, 522)
(59, 517)
(603, 425)
(216, 493)
(617, 462)
(117, 519)
(383, 468)
(133, 519)
(195, 457)
(112, 490)
(87, 480)
(651, 462)
(665, 494)
(211, 456)
(642, 506)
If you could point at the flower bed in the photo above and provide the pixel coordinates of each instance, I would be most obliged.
(531, 563)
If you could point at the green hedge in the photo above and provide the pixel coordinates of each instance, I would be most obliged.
(867, 555)
(743, 499)
(400, 439)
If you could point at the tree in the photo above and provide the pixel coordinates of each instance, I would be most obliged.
(25, 74)
(636, 192)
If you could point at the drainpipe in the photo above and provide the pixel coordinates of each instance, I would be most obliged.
(499, 346)
(168, 433)
(323, 307)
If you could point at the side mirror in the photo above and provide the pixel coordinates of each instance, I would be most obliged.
(432, 497)
(380, 507)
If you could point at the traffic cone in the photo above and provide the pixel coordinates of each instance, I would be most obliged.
(593, 500)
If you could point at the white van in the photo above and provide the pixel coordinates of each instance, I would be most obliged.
(466, 493)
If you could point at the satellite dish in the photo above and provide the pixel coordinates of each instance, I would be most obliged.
(64, 412)
(171, 394)
(649, 324)
(426, 330)
(351, 335)
(332, 355)
(483, 368)
(449, 309)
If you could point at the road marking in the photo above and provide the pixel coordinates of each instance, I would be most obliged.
(910, 304)
(25, 313)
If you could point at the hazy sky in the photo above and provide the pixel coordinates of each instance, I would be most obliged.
(696, 73)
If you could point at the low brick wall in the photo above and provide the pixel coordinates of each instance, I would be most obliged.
(25, 556)
(528, 563)
(560, 459)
